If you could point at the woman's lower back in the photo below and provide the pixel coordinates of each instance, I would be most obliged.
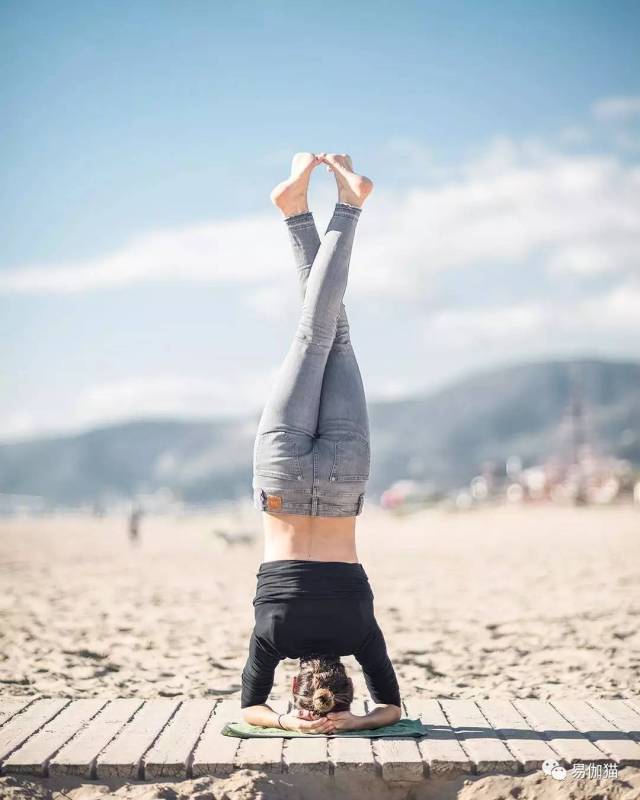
(294, 536)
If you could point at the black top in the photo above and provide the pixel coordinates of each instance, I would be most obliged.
(306, 608)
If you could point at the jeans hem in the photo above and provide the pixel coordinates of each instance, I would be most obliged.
(303, 220)
(308, 512)
(346, 210)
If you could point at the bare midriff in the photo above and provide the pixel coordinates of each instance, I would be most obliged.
(294, 536)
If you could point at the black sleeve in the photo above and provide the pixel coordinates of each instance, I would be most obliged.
(257, 675)
(379, 674)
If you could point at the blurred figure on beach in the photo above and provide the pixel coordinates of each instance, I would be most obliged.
(135, 518)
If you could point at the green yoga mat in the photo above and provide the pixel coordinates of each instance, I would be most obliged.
(404, 727)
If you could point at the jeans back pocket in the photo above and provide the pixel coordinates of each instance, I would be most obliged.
(276, 456)
(352, 460)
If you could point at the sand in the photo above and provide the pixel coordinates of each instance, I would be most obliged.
(503, 603)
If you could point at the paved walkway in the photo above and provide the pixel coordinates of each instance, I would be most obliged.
(172, 739)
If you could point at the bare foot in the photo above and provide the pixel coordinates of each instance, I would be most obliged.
(291, 195)
(353, 189)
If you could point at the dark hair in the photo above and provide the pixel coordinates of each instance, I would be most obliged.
(323, 685)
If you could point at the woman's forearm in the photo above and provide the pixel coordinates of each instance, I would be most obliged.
(381, 715)
(264, 716)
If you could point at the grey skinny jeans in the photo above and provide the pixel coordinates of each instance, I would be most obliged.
(311, 454)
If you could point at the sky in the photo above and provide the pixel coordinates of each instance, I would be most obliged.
(144, 271)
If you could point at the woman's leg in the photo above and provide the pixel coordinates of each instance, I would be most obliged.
(343, 405)
(294, 402)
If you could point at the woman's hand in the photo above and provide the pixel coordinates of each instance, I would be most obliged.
(306, 723)
(346, 721)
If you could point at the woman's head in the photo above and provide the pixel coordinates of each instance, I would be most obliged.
(322, 685)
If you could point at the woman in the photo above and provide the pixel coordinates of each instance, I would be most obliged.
(310, 470)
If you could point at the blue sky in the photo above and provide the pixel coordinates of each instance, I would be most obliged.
(143, 270)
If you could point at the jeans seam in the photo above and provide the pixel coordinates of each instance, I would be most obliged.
(332, 476)
(298, 225)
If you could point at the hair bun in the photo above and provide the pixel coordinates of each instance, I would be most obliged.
(323, 700)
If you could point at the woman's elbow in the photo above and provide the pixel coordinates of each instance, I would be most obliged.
(249, 715)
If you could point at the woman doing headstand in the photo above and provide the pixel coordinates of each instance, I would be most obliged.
(310, 470)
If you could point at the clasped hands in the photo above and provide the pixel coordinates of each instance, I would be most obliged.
(307, 722)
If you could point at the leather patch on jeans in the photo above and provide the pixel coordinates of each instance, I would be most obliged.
(274, 501)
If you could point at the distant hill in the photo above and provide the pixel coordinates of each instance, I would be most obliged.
(517, 410)
(443, 437)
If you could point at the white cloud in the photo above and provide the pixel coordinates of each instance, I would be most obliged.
(618, 310)
(620, 107)
(230, 394)
(597, 256)
(578, 214)
(18, 425)
(171, 396)
(533, 323)
(226, 251)
(461, 327)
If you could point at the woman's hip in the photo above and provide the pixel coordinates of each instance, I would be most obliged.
(309, 461)
(315, 476)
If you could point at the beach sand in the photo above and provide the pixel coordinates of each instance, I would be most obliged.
(503, 602)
